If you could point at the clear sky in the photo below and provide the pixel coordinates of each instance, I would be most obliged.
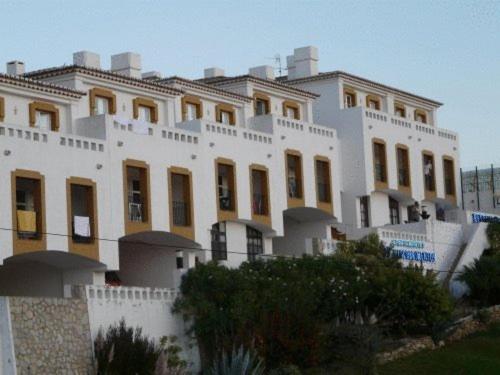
(445, 50)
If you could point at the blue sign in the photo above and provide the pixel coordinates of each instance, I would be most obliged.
(412, 251)
(417, 256)
(484, 218)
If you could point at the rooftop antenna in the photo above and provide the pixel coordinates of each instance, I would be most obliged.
(277, 64)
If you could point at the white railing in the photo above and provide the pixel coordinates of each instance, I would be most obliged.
(124, 293)
(405, 123)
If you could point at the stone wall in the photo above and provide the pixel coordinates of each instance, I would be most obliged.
(51, 335)
(461, 329)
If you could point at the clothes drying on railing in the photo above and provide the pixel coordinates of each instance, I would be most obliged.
(26, 221)
(82, 226)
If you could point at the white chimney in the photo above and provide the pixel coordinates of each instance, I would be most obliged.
(15, 68)
(263, 71)
(87, 59)
(213, 72)
(151, 75)
(306, 61)
(127, 64)
(290, 66)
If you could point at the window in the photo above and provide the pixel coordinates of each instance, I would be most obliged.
(323, 187)
(294, 176)
(260, 199)
(379, 162)
(449, 176)
(255, 244)
(102, 102)
(43, 120)
(225, 117)
(428, 166)
(224, 113)
(101, 105)
(394, 211)
(44, 116)
(349, 98)
(364, 214)
(145, 110)
(399, 110)
(291, 110)
(28, 208)
(421, 116)
(181, 202)
(137, 190)
(219, 241)
(403, 166)
(181, 193)
(225, 186)
(373, 102)
(262, 104)
(2, 109)
(82, 213)
(191, 108)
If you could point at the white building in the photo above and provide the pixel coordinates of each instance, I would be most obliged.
(393, 153)
(116, 170)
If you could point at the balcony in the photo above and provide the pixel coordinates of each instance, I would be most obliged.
(259, 205)
(417, 128)
(273, 123)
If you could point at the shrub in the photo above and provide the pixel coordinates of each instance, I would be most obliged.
(287, 309)
(240, 362)
(124, 350)
(483, 280)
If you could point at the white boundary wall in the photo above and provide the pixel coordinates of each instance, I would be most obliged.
(148, 308)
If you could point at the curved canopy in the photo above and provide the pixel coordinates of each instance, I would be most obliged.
(159, 239)
(58, 259)
(307, 214)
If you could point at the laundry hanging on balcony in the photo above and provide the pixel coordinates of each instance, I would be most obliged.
(140, 127)
(82, 226)
(26, 221)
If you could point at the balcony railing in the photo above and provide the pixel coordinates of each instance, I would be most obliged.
(180, 212)
(293, 187)
(225, 199)
(380, 172)
(135, 208)
(259, 204)
(323, 192)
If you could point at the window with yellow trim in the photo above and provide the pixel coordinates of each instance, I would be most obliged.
(323, 181)
(29, 213)
(349, 98)
(380, 161)
(421, 116)
(449, 176)
(294, 176)
(260, 198)
(399, 110)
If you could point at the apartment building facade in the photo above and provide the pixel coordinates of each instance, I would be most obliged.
(123, 177)
(396, 161)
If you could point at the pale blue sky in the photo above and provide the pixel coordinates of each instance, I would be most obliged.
(445, 50)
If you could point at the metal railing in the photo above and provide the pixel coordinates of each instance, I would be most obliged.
(180, 211)
(225, 199)
(259, 204)
(135, 208)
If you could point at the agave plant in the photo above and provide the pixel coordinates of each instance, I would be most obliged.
(239, 362)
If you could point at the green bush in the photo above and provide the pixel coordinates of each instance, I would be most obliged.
(483, 280)
(287, 309)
